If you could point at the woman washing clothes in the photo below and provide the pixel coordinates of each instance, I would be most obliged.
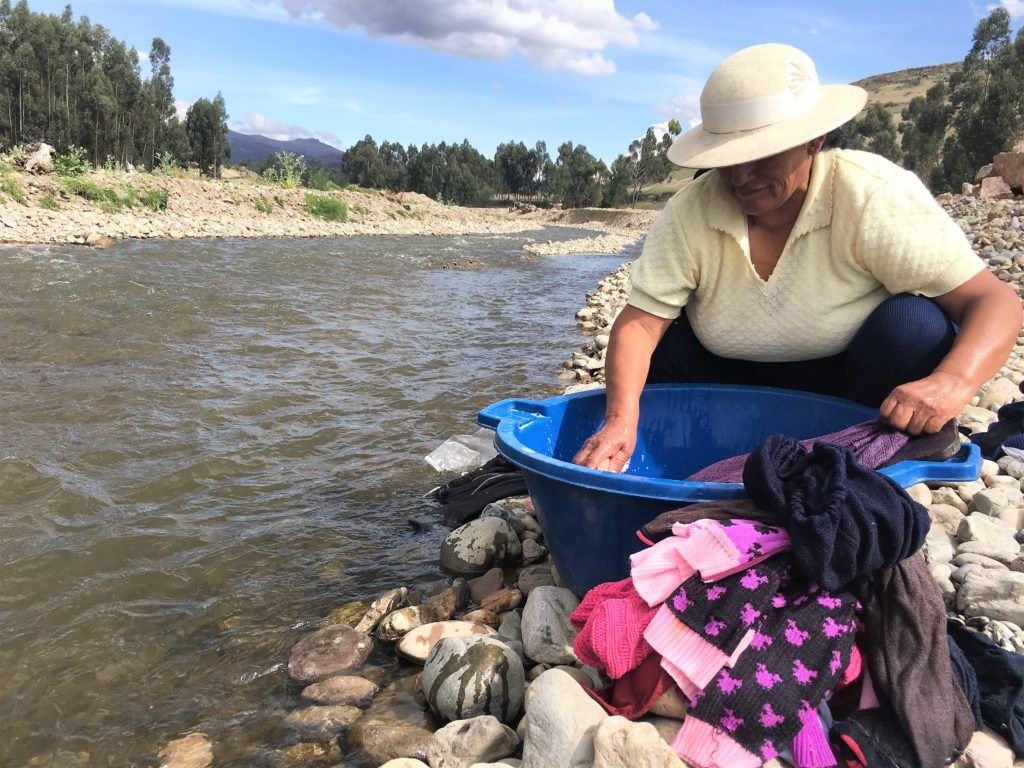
(794, 266)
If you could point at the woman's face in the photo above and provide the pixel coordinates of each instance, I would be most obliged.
(764, 185)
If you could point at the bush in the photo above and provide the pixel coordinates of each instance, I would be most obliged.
(12, 189)
(320, 180)
(155, 199)
(73, 163)
(165, 164)
(286, 169)
(264, 206)
(360, 209)
(107, 198)
(47, 202)
(279, 201)
(326, 208)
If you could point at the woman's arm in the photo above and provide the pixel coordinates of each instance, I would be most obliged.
(634, 337)
(989, 315)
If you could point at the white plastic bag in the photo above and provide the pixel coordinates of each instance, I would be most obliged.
(462, 453)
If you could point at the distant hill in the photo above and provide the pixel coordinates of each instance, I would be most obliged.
(894, 90)
(254, 148)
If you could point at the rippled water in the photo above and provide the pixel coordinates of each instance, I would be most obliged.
(206, 446)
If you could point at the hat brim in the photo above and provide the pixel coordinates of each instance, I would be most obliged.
(698, 148)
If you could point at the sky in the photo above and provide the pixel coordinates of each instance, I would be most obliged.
(596, 72)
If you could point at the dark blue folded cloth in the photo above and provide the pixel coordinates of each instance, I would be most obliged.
(1007, 429)
(844, 520)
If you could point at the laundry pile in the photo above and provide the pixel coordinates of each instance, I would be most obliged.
(802, 623)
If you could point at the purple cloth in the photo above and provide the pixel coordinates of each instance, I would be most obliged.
(872, 443)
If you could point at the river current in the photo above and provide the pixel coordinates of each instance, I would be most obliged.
(205, 446)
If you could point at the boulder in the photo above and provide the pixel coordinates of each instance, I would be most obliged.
(482, 616)
(983, 535)
(946, 495)
(534, 576)
(1011, 466)
(972, 558)
(547, 634)
(397, 624)
(328, 652)
(39, 160)
(466, 677)
(1010, 166)
(967, 490)
(395, 726)
(191, 751)
(939, 546)
(503, 600)
(511, 627)
(464, 742)
(618, 743)
(498, 509)
(341, 689)
(479, 545)
(485, 585)
(995, 188)
(984, 172)
(945, 517)
(992, 501)
(319, 723)
(381, 607)
(920, 493)
(561, 720)
(992, 593)
(533, 552)
(417, 644)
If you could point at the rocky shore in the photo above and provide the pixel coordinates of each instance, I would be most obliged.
(494, 682)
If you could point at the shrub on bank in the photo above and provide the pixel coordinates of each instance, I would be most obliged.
(71, 163)
(155, 199)
(13, 190)
(47, 202)
(107, 198)
(326, 208)
(264, 206)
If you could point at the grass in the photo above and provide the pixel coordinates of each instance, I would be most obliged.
(264, 206)
(108, 199)
(279, 201)
(326, 208)
(155, 199)
(10, 187)
(47, 202)
(360, 209)
(404, 213)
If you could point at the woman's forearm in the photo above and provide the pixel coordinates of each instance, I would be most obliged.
(634, 338)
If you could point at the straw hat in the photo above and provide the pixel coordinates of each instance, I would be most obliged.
(761, 101)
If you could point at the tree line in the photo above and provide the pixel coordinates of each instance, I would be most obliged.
(71, 84)
(946, 135)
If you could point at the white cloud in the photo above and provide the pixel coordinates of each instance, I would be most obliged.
(554, 34)
(1014, 7)
(685, 108)
(181, 108)
(255, 123)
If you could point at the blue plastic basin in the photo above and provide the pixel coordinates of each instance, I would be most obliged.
(590, 517)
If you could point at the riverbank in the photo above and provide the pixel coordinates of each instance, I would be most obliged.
(105, 206)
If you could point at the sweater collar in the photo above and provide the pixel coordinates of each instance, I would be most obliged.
(725, 214)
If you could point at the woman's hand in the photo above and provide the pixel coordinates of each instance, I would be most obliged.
(925, 405)
(610, 447)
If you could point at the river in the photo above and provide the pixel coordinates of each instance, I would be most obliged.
(205, 446)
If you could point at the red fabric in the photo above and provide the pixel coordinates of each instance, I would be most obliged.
(633, 694)
(612, 619)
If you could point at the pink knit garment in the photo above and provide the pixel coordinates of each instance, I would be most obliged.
(872, 443)
(612, 619)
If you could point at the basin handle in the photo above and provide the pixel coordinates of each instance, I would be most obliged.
(961, 468)
(514, 411)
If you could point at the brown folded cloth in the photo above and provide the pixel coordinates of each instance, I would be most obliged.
(943, 445)
(741, 509)
(908, 658)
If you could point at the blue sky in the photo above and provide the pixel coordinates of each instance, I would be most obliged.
(596, 72)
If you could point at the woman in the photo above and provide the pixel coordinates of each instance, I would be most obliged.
(791, 266)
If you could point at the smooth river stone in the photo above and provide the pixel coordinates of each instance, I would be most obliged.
(547, 633)
(467, 742)
(395, 726)
(191, 751)
(466, 677)
(618, 743)
(560, 723)
(342, 689)
(381, 607)
(996, 594)
(417, 644)
(485, 585)
(479, 545)
(503, 600)
(328, 652)
(480, 616)
(319, 723)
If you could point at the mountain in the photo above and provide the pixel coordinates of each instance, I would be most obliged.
(894, 90)
(255, 148)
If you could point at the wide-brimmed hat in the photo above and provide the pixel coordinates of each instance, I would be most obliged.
(761, 101)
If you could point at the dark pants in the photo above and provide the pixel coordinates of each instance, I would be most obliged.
(903, 340)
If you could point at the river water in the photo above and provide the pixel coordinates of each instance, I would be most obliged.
(206, 446)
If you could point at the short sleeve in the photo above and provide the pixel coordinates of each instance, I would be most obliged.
(666, 271)
(909, 243)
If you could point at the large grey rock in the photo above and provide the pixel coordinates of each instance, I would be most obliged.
(511, 627)
(40, 159)
(618, 743)
(381, 607)
(533, 552)
(993, 500)
(328, 652)
(946, 495)
(487, 584)
(479, 545)
(395, 726)
(561, 720)
(985, 536)
(191, 751)
(462, 743)
(1010, 167)
(499, 509)
(341, 689)
(547, 633)
(966, 490)
(1011, 466)
(939, 546)
(946, 517)
(418, 643)
(466, 677)
(319, 723)
(534, 576)
(996, 594)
